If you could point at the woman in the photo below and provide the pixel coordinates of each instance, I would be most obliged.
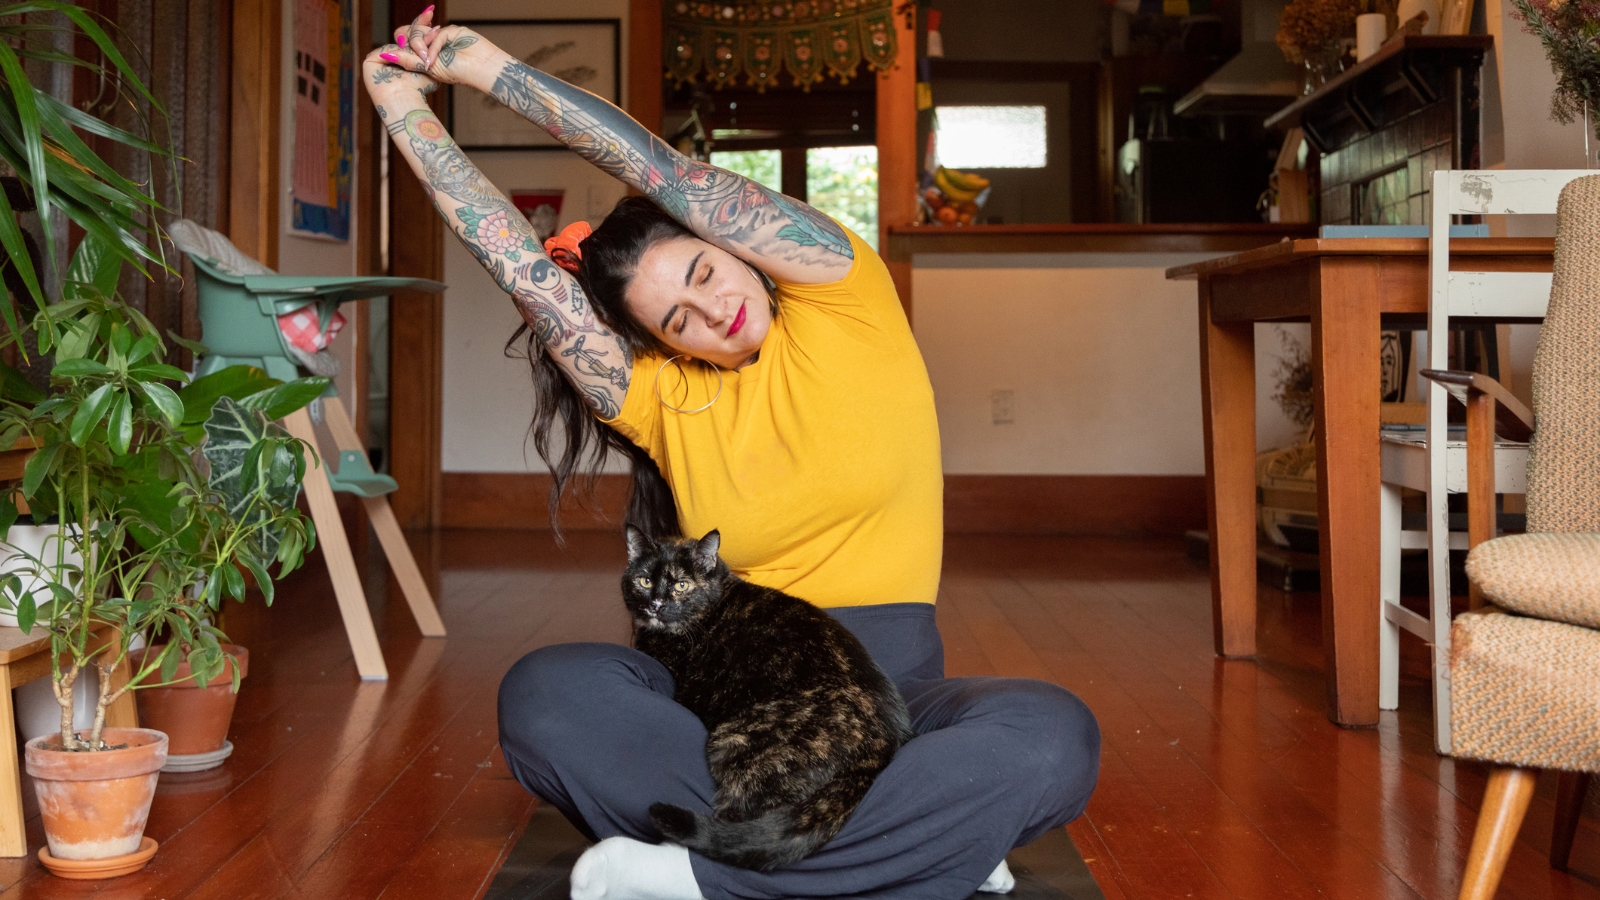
(750, 354)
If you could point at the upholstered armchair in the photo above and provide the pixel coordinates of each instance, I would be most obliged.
(1525, 667)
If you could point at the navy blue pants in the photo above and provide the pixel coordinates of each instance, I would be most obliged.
(593, 730)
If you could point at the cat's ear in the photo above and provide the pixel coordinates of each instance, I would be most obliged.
(638, 543)
(705, 551)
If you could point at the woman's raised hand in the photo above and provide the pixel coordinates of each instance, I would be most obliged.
(393, 88)
(449, 54)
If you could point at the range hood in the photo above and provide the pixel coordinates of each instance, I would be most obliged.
(1257, 82)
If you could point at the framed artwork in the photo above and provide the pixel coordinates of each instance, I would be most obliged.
(324, 113)
(586, 53)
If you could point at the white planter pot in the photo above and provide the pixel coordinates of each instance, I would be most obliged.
(42, 542)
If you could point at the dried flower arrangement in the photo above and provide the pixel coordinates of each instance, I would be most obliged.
(1307, 26)
(1293, 388)
(1570, 32)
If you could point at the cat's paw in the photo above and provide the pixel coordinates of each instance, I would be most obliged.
(675, 822)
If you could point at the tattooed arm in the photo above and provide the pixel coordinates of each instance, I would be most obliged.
(547, 296)
(779, 235)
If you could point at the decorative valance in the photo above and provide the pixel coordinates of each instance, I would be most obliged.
(762, 37)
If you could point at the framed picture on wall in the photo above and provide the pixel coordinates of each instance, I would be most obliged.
(582, 52)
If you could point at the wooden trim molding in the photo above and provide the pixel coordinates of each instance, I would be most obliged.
(416, 335)
(1121, 505)
(253, 156)
(897, 146)
(645, 72)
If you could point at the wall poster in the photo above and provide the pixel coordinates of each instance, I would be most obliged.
(324, 118)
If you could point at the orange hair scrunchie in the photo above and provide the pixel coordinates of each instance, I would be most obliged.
(563, 248)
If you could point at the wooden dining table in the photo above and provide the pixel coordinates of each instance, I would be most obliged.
(1349, 290)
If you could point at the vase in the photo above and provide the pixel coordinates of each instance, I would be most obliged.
(195, 719)
(1322, 64)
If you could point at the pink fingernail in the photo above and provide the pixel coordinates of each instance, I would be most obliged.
(388, 57)
(401, 40)
(428, 10)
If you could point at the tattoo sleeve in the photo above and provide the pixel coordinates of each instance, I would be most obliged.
(548, 298)
(721, 206)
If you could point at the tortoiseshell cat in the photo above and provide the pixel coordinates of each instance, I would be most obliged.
(800, 720)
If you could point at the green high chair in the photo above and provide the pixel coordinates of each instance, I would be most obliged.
(239, 322)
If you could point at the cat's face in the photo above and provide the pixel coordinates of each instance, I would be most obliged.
(669, 584)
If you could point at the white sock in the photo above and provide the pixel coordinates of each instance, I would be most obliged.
(621, 868)
(1000, 881)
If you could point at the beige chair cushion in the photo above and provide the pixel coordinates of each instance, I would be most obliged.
(1565, 452)
(1525, 692)
(1549, 576)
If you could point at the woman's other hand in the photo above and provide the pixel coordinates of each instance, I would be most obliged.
(393, 88)
(450, 54)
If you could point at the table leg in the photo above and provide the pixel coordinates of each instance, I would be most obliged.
(13, 840)
(1228, 395)
(1345, 341)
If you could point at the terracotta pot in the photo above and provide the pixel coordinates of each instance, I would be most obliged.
(195, 719)
(94, 805)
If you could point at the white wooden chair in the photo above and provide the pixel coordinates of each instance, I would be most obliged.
(1432, 462)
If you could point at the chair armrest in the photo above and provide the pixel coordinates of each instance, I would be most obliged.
(1512, 420)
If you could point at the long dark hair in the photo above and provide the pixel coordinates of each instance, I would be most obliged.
(560, 413)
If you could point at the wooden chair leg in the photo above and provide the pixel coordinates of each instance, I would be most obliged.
(1504, 804)
(341, 563)
(404, 566)
(1570, 791)
(387, 527)
(13, 839)
(1480, 480)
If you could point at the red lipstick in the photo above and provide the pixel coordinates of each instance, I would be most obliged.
(738, 321)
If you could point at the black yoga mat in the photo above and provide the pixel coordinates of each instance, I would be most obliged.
(1050, 868)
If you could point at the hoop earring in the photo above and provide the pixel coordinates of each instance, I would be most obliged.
(679, 409)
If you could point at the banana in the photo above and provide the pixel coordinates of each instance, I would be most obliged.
(965, 181)
(941, 180)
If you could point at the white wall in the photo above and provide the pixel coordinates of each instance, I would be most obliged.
(488, 399)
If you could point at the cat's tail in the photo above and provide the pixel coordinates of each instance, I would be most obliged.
(775, 838)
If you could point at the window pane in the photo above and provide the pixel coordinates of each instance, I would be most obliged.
(762, 166)
(843, 182)
(991, 137)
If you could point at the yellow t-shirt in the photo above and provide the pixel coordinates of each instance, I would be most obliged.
(819, 462)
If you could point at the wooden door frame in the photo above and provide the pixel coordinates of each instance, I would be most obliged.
(897, 146)
(254, 129)
(416, 321)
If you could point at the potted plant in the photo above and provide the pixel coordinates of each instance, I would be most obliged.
(1570, 32)
(169, 494)
(169, 499)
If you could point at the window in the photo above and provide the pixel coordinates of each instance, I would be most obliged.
(762, 166)
(843, 183)
(991, 137)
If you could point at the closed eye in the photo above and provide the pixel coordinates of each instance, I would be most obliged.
(684, 322)
(707, 276)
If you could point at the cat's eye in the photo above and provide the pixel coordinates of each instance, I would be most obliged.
(642, 581)
(681, 586)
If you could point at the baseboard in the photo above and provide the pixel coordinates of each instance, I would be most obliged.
(973, 504)
(1074, 504)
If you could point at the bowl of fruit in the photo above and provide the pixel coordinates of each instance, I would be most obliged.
(954, 197)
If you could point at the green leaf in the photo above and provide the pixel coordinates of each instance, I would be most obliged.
(259, 573)
(39, 466)
(288, 397)
(18, 256)
(79, 368)
(165, 400)
(231, 433)
(195, 347)
(120, 424)
(77, 336)
(91, 411)
(236, 382)
(96, 264)
(154, 371)
(27, 612)
(142, 348)
(8, 513)
(169, 661)
(22, 92)
(233, 580)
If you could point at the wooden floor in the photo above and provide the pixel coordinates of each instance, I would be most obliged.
(1219, 779)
